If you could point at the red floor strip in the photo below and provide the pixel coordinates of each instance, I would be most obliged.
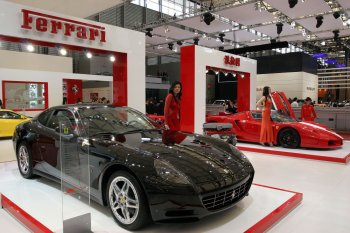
(297, 155)
(281, 211)
(22, 216)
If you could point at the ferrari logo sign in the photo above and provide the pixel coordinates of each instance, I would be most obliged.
(230, 60)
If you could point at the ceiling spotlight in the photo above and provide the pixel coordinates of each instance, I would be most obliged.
(336, 35)
(195, 32)
(292, 3)
(63, 51)
(112, 58)
(195, 41)
(30, 48)
(179, 43)
(336, 14)
(221, 37)
(204, 35)
(208, 18)
(148, 33)
(279, 26)
(89, 55)
(323, 43)
(292, 24)
(319, 20)
(171, 46)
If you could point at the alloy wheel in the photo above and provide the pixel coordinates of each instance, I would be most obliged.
(23, 157)
(123, 199)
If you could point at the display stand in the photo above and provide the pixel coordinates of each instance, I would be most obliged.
(39, 206)
(340, 155)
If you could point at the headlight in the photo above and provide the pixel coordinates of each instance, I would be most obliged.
(236, 152)
(169, 173)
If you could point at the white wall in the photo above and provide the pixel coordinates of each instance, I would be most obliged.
(211, 57)
(33, 61)
(295, 84)
(117, 40)
(54, 79)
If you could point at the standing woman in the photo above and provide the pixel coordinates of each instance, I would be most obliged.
(307, 111)
(172, 107)
(266, 133)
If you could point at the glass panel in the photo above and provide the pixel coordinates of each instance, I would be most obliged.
(75, 170)
(25, 95)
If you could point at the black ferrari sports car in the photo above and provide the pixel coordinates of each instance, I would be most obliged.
(141, 172)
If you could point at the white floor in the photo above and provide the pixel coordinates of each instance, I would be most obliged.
(326, 188)
(9, 224)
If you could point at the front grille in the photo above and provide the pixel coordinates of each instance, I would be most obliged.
(226, 198)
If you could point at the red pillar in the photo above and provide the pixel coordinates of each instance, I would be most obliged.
(120, 80)
(187, 77)
(243, 92)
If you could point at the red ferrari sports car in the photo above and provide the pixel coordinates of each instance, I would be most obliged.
(288, 132)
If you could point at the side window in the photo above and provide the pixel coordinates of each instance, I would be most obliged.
(44, 116)
(256, 115)
(9, 115)
(63, 116)
(12, 115)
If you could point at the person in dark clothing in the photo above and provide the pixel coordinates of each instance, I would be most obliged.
(231, 107)
(160, 108)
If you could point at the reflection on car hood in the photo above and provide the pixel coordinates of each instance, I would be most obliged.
(319, 129)
(203, 160)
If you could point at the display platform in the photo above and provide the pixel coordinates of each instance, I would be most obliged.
(38, 204)
(340, 155)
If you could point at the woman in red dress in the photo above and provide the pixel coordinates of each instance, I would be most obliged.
(307, 111)
(172, 107)
(266, 133)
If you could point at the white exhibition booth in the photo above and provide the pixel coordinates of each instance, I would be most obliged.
(22, 24)
(195, 61)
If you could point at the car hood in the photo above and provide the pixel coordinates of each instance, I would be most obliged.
(208, 163)
(319, 129)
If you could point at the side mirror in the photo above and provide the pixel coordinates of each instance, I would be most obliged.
(23, 117)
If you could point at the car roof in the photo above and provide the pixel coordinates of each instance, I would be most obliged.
(72, 106)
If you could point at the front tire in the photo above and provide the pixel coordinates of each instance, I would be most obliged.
(289, 138)
(127, 201)
(25, 161)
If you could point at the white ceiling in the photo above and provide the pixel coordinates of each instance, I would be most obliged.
(78, 8)
(245, 15)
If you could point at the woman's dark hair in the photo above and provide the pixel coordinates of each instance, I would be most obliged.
(308, 99)
(266, 91)
(171, 90)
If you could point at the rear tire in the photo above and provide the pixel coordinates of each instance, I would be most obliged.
(25, 161)
(127, 201)
(289, 138)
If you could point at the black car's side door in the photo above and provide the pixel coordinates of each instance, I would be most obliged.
(57, 144)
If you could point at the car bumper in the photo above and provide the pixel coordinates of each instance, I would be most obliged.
(166, 207)
(324, 144)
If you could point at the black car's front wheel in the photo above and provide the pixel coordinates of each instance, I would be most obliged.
(24, 160)
(127, 201)
(289, 138)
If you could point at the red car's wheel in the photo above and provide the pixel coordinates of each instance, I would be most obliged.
(289, 138)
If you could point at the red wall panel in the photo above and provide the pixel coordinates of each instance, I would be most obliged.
(74, 90)
(120, 80)
(187, 69)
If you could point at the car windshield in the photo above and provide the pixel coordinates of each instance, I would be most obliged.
(117, 120)
(278, 117)
(275, 116)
